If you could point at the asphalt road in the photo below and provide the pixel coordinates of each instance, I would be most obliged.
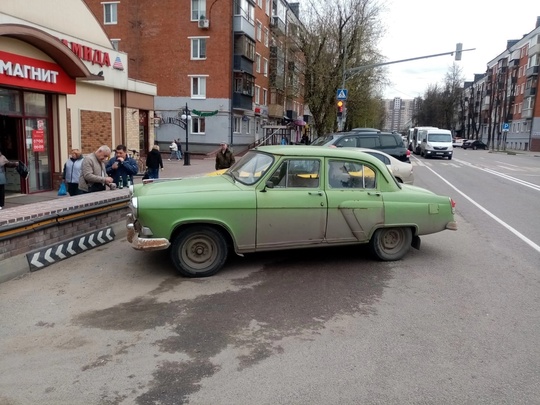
(455, 322)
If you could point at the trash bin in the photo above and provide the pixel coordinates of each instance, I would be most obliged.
(187, 159)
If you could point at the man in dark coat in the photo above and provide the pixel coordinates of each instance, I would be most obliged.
(224, 158)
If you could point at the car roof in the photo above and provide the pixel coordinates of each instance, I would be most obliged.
(317, 151)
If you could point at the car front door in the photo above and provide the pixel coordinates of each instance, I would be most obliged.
(292, 212)
(355, 204)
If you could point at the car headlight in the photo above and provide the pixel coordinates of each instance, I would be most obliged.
(134, 205)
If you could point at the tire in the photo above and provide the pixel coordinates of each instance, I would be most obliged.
(449, 157)
(389, 244)
(200, 251)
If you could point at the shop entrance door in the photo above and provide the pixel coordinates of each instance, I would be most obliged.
(13, 149)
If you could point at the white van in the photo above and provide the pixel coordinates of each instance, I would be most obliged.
(436, 142)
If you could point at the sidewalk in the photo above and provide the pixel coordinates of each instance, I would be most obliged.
(171, 169)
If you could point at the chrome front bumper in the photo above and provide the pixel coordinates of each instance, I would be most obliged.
(143, 243)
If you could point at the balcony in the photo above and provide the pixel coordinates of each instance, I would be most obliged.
(277, 81)
(242, 64)
(534, 49)
(275, 110)
(527, 113)
(532, 71)
(243, 25)
(278, 26)
(242, 101)
(531, 91)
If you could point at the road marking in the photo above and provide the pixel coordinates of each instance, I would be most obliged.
(504, 176)
(497, 219)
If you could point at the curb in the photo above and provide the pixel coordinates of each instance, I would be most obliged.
(18, 265)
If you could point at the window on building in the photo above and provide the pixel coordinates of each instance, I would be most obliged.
(245, 9)
(265, 67)
(257, 94)
(248, 126)
(267, 7)
(115, 44)
(259, 3)
(259, 31)
(198, 9)
(237, 125)
(110, 12)
(198, 87)
(264, 97)
(258, 63)
(266, 36)
(249, 48)
(198, 48)
(198, 125)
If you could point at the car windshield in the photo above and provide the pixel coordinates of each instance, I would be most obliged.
(440, 138)
(251, 167)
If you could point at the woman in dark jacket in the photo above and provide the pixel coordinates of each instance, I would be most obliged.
(154, 162)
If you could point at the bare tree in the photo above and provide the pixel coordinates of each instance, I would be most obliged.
(339, 36)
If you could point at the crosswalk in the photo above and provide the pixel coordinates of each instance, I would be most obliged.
(494, 165)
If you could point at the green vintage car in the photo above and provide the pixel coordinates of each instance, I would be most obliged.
(284, 197)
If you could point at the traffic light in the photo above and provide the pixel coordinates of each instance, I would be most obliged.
(339, 108)
(459, 48)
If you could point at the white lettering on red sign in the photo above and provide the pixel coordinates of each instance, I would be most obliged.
(28, 72)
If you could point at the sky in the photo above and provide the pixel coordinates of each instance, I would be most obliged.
(425, 27)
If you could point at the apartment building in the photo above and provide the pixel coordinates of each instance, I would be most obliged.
(398, 114)
(217, 58)
(500, 107)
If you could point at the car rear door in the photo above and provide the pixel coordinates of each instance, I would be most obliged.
(355, 205)
(293, 212)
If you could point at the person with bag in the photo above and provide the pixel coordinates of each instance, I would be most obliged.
(93, 173)
(4, 162)
(153, 163)
(122, 167)
(72, 173)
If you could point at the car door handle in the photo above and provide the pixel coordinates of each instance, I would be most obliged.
(319, 193)
(375, 193)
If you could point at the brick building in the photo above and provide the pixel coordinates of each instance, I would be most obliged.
(215, 56)
(63, 86)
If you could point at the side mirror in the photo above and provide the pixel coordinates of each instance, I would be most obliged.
(269, 184)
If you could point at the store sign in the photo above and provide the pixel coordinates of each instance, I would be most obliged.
(88, 54)
(21, 71)
(38, 140)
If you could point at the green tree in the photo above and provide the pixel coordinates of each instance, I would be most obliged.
(338, 36)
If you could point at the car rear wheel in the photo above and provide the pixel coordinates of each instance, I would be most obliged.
(474, 147)
(199, 251)
(390, 244)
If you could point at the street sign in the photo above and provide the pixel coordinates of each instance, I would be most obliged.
(342, 94)
(506, 126)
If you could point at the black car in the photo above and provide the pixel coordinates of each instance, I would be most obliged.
(474, 145)
(367, 138)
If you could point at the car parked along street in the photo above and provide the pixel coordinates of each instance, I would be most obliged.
(284, 197)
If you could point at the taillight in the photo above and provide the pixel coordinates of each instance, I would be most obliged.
(408, 153)
(453, 205)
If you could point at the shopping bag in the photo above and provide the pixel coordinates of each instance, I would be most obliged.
(62, 190)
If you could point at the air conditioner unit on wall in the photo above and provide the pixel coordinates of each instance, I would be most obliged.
(204, 23)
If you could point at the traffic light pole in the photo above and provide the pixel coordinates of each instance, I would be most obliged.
(347, 73)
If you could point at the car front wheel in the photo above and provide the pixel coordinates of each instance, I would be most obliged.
(390, 244)
(199, 251)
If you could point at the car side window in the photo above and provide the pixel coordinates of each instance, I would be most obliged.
(347, 142)
(388, 141)
(382, 158)
(346, 174)
(369, 142)
(297, 173)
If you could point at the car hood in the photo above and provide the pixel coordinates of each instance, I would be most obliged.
(186, 185)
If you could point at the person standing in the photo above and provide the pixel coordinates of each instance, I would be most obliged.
(72, 172)
(154, 162)
(93, 173)
(225, 157)
(4, 162)
(122, 167)
(173, 148)
(179, 151)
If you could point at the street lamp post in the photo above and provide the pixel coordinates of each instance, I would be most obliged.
(186, 117)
